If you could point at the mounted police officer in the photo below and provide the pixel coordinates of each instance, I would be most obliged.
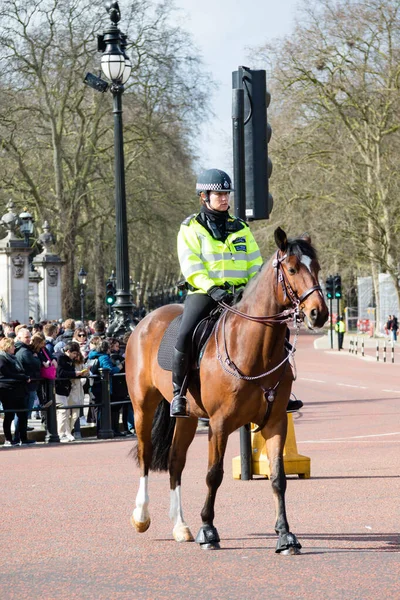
(217, 254)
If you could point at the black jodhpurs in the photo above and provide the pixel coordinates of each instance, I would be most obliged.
(196, 308)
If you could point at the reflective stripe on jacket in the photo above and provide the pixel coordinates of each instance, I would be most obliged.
(206, 261)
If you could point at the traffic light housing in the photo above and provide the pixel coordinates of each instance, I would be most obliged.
(110, 293)
(337, 281)
(329, 287)
(257, 133)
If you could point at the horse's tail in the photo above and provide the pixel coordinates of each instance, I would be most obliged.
(161, 437)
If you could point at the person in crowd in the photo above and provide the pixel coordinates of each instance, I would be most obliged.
(99, 329)
(119, 387)
(388, 326)
(66, 373)
(38, 343)
(128, 419)
(37, 328)
(340, 329)
(66, 336)
(81, 337)
(93, 382)
(101, 353)
(50, 333)
(13, 393)
(30, 365)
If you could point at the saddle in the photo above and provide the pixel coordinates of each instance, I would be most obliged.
(200, 337)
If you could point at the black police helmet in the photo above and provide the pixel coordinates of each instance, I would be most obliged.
(213, 180)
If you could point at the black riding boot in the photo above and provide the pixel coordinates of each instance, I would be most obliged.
(180, 364)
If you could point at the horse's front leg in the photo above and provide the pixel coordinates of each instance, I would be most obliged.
(208, 537)
(185, 430)
(275, 437)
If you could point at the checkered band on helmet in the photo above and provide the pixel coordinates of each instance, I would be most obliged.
(213, 180)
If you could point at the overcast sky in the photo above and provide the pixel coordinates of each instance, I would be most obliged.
(223, 30)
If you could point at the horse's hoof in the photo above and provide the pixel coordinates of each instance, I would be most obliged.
(140, 527)
(182, 533)
(290, 551)
(212, 546)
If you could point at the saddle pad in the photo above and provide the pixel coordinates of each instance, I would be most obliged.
(167, 345)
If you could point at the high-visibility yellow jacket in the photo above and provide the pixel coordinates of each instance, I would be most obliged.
(340, 327)
(206, 261)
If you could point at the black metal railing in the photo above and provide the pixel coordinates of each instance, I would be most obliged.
(104, 429)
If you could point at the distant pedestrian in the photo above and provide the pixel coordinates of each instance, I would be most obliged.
(340, 329)
(394, 328)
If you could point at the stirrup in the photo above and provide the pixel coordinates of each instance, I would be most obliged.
(294, 405)
(178, 407)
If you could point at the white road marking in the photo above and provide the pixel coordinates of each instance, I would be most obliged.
(351, 438)
(359, 387)
(314, 380)
(392, 391)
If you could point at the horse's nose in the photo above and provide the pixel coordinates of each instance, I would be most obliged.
(314, 315)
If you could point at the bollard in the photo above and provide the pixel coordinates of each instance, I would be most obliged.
(350, 344)
(392, 352)
(51, 416)
(294, 463)
(356, 345)
(384, 351)
(105, 431)
(245, 453)
(377, 351)
(362, 348)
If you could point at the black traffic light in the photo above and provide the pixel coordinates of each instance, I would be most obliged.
(337, 281)
(329, 287)
(257, 133)
(110, 293)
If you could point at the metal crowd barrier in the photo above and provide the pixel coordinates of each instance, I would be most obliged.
(104, 431)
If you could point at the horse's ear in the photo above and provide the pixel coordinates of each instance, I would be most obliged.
(280, 239)
(307, 238)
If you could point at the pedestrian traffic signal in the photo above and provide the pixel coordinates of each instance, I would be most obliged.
(337, 281)
(110, 293)
(329, 287)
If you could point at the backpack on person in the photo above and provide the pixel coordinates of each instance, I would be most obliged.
(93, 365)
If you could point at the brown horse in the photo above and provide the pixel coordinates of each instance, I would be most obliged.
(244, 378)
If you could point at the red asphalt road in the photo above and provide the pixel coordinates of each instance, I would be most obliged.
(65, 532)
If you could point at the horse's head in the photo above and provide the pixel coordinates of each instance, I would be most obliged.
(297, 269)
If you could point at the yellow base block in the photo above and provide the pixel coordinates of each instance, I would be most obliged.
(294, 463)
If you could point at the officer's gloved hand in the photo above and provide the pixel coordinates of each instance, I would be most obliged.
(219, 295)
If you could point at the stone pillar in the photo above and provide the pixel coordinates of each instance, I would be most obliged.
(14, 271)
(48, 266)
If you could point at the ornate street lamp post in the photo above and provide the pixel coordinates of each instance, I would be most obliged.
(26, 225)
(117, 68)
(82, 280)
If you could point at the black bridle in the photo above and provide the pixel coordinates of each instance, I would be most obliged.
(283, 317)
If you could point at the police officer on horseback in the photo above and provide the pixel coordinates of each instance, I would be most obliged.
(217, 254)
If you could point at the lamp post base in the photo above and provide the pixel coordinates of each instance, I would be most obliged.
(122, 323)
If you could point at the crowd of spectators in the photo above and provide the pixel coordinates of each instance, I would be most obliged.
(71, 352)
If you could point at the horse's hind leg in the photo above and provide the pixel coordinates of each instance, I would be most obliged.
(275, 437)
(140, 518)
(184, 433)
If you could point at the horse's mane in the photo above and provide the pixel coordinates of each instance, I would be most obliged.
(297, 246)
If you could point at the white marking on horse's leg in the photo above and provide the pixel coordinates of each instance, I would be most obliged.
(141, 515)
(306, 260)
(181, 531)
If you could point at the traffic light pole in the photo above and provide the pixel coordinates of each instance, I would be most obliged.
(338, 313)
(331, 328)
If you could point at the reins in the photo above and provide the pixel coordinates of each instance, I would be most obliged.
(283, 317)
